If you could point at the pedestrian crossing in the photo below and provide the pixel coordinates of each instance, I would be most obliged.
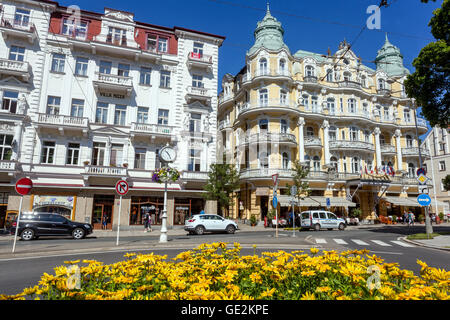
(366, 243)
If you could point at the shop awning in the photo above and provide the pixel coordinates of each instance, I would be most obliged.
(404, 202)
(285, 201)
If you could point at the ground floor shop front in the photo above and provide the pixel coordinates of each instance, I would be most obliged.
(100, 206)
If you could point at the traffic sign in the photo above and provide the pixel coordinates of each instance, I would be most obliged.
(422, 179)
(294, 191)
(328, 203)
(275, 179)
(421, 171)
(24, 186)
(424, 200)
(275, 202)
(122, 187)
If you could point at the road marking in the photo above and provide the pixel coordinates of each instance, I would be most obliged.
(340, 241)
(361, 243)
(403, 244)
(322, 241)
(384, 252)
(381, 243)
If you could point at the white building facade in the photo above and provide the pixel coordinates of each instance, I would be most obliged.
(93, 100)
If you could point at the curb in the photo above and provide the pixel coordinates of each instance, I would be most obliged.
(420, 244)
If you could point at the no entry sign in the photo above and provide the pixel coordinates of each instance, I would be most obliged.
(122, 187)
(24, 186)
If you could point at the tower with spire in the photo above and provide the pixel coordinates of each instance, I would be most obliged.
(390, 60)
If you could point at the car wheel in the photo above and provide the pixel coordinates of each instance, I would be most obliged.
(27, 235)
(317, 227)
(230, 229)
(330, 229)
(200, 230)
(342, 227)
(78, 234)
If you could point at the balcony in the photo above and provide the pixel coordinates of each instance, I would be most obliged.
(422, 123)
(273, 73)
(152, 130)
(224, 125)
(351, 145)
(105, 172)
(194, 176)
(225, 98)
(310, 79)
(384, 92)
(414, 152)
(269, 105)
(8, 167)
(201, 61)
(18, 29)
(62, 123)
(388, 149)
(270, 137)
(350, 84)
(19, 69)
(312, 142)
(265, 173)
(109, 83)
(198, 94)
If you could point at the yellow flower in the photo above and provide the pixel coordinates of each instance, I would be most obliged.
(323, 289)
(308, 296)
(314, 250)
(268, 293)
(72, 262)
(308, 273)
(256, 277)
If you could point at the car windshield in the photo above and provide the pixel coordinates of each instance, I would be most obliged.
(331, 216)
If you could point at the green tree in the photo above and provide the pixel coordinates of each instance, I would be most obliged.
(446, 183)
(430, 82)
(300, 173)
(223, 179)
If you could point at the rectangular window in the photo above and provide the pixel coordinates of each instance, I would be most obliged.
(163, 44)
(142, 115)
(139, 159)
(283, 98)
(197, 81)
(9, 102)
(163, 117)
(146, 76)
(116, 155)
(73, 154)
(198, 49)
(58, 62)
(120, 115)
(117, 36)
(53, 104)
(442, 166)
(77, 108)
(98, 154)
(22, 18)
(70, 29)
(17, 53)
(101, 115)
(48, 152)
(81, 67)
(152, 42)
(105, 67)
(123, 70)
(194, 162)
(165, 79)
(315, 104)
(195, 122)
(5, 147)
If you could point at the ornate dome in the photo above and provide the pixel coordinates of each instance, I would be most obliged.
(390, 60)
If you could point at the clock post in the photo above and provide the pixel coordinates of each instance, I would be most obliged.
(166, 155)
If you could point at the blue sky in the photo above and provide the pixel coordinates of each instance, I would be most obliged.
(310, 25)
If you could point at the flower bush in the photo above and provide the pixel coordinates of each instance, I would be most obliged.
(216, 272)
(166, 174)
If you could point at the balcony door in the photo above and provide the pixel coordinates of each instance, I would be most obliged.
(116, 155)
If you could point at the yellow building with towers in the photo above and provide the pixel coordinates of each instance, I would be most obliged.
(353, 126)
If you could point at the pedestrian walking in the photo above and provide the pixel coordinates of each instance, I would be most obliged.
(410, 218)
(104, 222)
(149, 223)
(146, 219)
(405, 217)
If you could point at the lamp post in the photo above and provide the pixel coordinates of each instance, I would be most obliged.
(163, 236)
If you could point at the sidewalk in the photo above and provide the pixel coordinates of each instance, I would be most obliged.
(440, 242)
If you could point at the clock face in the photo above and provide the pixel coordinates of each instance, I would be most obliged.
(168, 154)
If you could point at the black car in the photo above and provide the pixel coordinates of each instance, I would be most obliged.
(34, 225)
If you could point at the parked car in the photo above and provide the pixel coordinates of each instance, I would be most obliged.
(319, 219)
(282, 223)
(201, 223)
(34, 225)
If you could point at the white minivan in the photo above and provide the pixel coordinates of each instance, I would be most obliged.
(319, 219)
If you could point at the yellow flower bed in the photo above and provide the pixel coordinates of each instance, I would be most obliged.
(216, 272)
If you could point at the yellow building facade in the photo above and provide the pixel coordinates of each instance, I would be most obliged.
(353, 126)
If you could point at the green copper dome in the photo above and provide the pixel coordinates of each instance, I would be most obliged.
(390, 60)
(268, 34)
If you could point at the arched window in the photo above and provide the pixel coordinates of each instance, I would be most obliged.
(283, 126)
(381, 84)
(282, 66)
(411, 171)
(331, 105)
(310, 132)
(263, 97)
(285, 160)
(347, 76)
(263, 125)
(409, 141)
(352, 105)
(334, 163)
(309, 71)
(263, 66)
(316, 163)
(330, 75)
(332, 132)
(356, 166)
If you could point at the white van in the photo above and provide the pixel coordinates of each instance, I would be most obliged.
(319, 219)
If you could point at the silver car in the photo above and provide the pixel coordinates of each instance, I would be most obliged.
(319, 219)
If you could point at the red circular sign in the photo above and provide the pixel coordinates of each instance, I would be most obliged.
(122, 187)
(24, 186)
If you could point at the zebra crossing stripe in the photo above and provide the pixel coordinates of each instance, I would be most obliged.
(403, 244)
(381, 243)
(340, 241)
(361, 243)
(321, 241)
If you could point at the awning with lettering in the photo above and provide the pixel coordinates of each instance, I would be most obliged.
(285, 201)
(262, 192)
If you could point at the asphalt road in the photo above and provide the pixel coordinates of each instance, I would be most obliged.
(35, 258)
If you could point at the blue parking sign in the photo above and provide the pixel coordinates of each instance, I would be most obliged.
(275, 202)
(328, 203)
(424, 200)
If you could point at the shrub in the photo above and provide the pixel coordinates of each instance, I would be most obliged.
(421, 218)
(216, 272)
(253, 220)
